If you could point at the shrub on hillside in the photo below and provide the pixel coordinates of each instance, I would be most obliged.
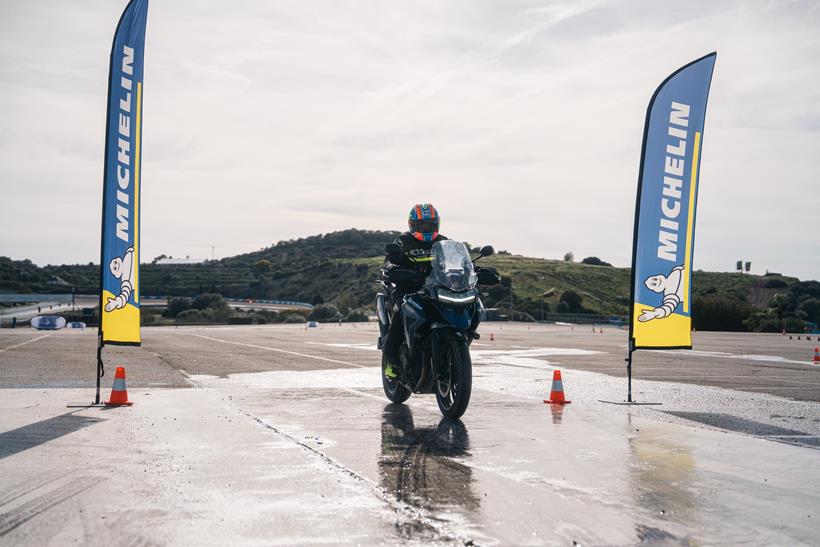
(191, 316)
(764, 321)
(241, 320)
(324, 312)
(721, 314)
(212, 305)
(595, 261)
(356, 316)
(811, 308)
(176, 306)
(573, 301)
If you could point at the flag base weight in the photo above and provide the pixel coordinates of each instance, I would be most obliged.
(84, 405)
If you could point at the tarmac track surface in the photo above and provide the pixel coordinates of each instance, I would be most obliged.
(282, 435)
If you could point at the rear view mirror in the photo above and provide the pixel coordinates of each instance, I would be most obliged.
(487, 250)
(487, 277)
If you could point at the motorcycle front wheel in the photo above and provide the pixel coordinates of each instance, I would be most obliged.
(454, 387)
(394, 390)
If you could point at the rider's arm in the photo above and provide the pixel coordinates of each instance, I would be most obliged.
(397, 259)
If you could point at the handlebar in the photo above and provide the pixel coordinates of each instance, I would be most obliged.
(401, 275)
(486, 276)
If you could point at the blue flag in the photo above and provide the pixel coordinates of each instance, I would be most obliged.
(664, 236)
(119, 269)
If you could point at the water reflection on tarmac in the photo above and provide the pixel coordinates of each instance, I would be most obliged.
(417, 464)
(662, 476)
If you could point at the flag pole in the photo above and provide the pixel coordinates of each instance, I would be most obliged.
(100, 367)
(100, 343)
(629, 370)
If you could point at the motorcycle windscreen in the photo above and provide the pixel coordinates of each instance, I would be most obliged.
(452, 266)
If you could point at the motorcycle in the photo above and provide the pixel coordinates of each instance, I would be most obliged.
(439, 324)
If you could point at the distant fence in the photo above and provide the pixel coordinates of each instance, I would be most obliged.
(274, 302)
(23, 298)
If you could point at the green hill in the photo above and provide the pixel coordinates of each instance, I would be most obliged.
(342, 268)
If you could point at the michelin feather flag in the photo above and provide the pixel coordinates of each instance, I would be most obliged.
(119, 269)
(664, 237)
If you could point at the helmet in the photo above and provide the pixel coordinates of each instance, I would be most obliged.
(424, 221)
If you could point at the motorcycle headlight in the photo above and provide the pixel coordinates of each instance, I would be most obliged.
(452, 297)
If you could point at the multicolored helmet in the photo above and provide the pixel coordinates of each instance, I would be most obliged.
(424, 221)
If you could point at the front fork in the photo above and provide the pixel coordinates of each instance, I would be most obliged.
(440, 341)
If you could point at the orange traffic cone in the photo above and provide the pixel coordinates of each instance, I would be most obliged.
(119, 395)
(817, 356)
(557, 391)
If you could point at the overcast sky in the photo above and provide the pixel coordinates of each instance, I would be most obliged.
(520, 120)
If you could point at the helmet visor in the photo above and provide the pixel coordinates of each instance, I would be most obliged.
(424, 226)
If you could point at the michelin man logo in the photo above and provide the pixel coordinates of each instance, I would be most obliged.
(122, 269)
(671, 287)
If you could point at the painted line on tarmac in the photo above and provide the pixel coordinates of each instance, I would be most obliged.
(24, 343)
(776, 389)
(266, 348)
(379, 398)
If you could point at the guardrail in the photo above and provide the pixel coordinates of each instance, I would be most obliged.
(274, 302)
(23, 298)
(586, 318)
(18, 298)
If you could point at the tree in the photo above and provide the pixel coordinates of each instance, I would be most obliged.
(261, 267)
(212, 306)
(714, 313)
(177, 306)
(811, 307)
(569, 257)
(572, 300)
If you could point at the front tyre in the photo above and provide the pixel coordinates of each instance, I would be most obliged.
(455, 381)
(394, 390)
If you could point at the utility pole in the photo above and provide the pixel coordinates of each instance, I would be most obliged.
(212, 252)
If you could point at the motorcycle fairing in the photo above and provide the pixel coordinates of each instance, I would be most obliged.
(459, 318)
(414, 318)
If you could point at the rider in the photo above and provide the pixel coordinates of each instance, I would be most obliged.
(415, 253)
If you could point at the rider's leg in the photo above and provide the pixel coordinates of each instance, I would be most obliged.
(395, 332)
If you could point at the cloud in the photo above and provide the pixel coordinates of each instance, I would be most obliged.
(521, 120)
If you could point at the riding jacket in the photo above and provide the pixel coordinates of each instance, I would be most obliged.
(414, 255)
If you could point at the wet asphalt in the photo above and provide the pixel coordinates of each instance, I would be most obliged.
(280, 434)
(758, 363)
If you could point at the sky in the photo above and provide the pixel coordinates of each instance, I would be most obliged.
(520, 120)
